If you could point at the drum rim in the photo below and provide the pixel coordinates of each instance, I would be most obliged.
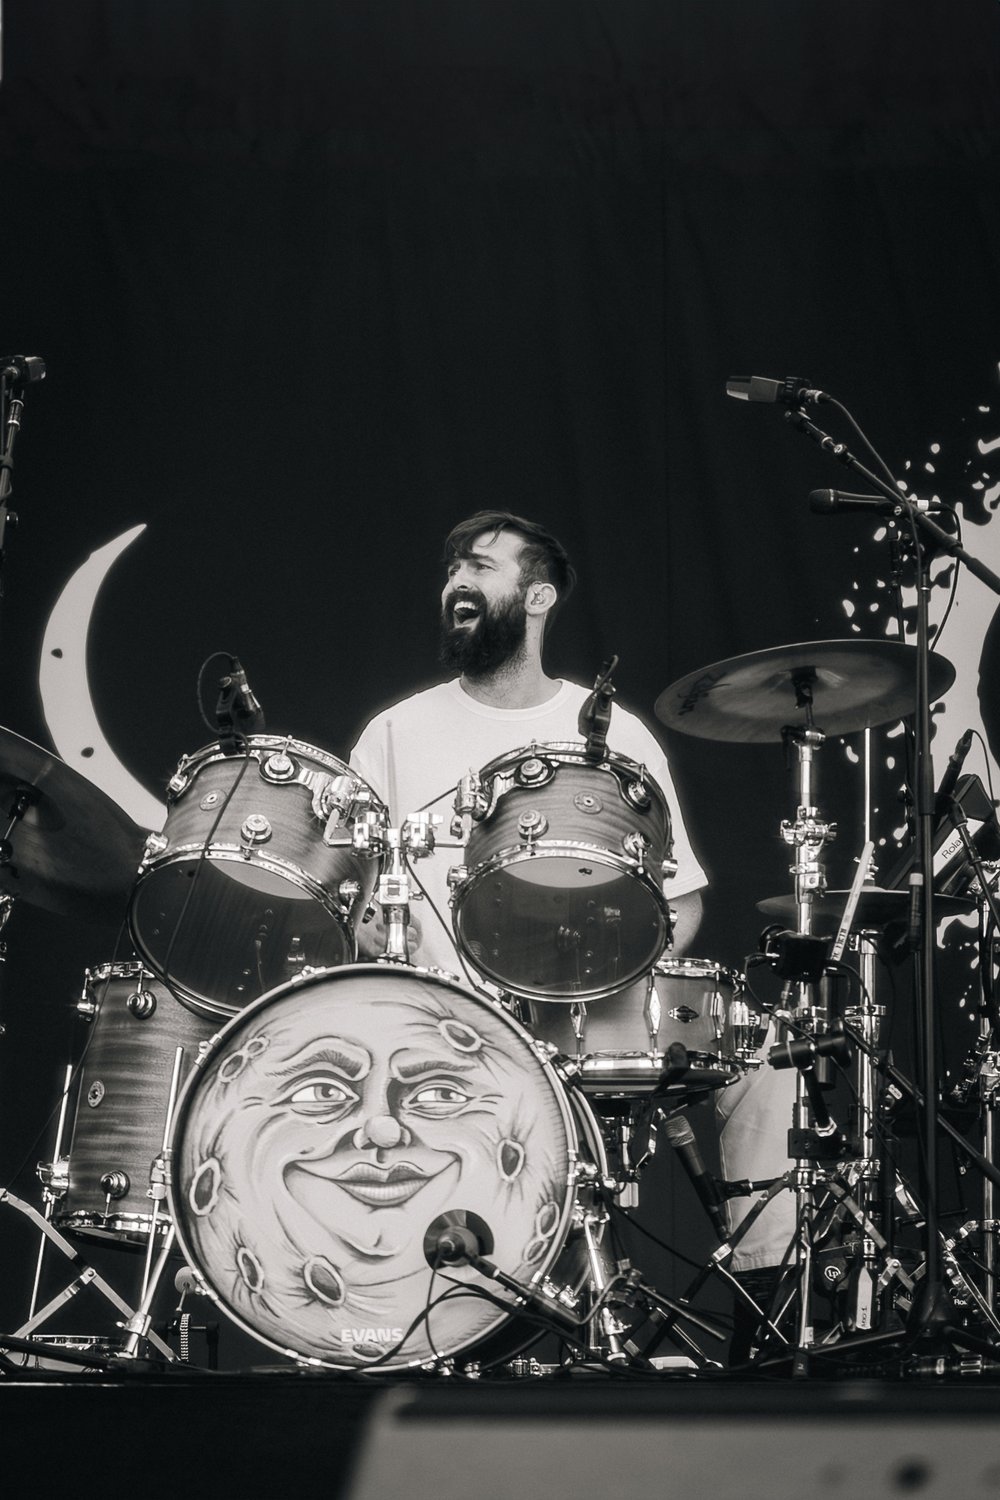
(309, 979)
(597, 992)
(574, 751)
(257, 743)
(207, 1005)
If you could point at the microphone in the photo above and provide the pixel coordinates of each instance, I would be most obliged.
(680, 1135)
(833, 502)
(245, 702)
(794, 390)
(457, 1237)
(952, 771)
(22, 369)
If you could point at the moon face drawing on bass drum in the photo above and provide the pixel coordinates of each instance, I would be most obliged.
(328, 1127)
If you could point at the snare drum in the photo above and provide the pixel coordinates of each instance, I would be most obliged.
(265, 865)
(620, 1043)
(560, 895)
(123, 1092)
(329, 1131)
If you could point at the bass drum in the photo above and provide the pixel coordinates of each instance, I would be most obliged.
(326, 1132)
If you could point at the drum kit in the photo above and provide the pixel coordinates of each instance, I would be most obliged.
(372, 1166)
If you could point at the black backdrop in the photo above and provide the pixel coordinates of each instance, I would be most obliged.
(313, 281)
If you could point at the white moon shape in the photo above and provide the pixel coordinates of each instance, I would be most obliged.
(65, 689)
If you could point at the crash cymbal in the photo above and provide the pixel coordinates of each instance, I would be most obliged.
(73, 850)
(837, 686)
(876, 908)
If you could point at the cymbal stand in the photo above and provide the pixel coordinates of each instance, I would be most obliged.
(801, 965)
(930, 1312)
(866, 1166)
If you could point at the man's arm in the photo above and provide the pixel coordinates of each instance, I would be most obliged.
(687, 920)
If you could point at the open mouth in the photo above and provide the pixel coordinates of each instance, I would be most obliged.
(462, 612)
(379, 1187)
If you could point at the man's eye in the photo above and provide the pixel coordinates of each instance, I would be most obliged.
(320, 1093)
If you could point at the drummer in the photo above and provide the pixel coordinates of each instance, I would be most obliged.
(506, 578)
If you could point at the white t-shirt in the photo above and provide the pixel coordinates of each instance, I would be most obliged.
(415, 753)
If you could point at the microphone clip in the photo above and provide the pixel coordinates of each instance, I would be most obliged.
(595, 715)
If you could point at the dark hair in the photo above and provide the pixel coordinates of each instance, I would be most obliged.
(542, 556)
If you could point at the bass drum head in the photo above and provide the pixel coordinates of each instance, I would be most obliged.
(330, 1125)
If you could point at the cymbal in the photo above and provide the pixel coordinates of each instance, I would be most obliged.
(74, 851)
(876, 908)
(852, 685)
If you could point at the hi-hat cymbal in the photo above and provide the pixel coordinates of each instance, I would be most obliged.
(74, 850)
(838, 686)
(876, 908)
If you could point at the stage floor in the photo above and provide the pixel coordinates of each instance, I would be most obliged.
(289, 1431)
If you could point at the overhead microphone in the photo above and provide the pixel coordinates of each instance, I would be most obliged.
(21, 369)
(794, 390)
(832, 502)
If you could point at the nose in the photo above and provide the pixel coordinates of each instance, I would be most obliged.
(381, 1131)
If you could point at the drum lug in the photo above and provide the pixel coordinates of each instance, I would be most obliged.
(457, 875)
(532, 825)
(535, 772)
(87, 1006)
(256, 830)
(279, 767)
(348, 892)
(180, 780)
(668, 868)
(141, 1004)
(154, 845)
(54, 1176)
(115, 1184)
(637, 793)
(636, 846)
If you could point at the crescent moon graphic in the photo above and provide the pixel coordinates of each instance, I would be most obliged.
(65, 688)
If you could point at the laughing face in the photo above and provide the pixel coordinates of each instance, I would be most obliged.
(336, 1124)
(483, 619)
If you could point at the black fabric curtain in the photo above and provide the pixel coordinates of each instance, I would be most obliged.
(313, 282)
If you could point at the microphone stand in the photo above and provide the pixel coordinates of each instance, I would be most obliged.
(930, 1311)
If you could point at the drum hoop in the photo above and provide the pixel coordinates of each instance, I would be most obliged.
(573, 752)
(259, 743)
(215, 1044)
(699, 968)
(122, 970)
(236, 854)
(567, 848)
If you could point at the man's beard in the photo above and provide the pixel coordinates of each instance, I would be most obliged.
(494, 640)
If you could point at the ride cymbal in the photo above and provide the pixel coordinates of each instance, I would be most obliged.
(837, 686)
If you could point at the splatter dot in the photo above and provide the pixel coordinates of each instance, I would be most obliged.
(510, 1159)
(459, 1035)
(203, 1194)
(324, 1281)
(250, 1269)
(232, 1066)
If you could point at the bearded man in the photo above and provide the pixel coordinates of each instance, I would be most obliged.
(506, 576)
